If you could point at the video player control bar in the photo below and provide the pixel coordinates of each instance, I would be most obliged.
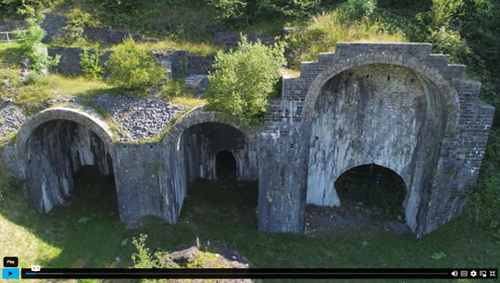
(260, 273)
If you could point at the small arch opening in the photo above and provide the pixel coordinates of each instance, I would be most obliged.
(225, 165)
(372, 186)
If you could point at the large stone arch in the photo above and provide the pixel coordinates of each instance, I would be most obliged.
(419, 66)
(423, 151)
(179, 172)
(57, 115)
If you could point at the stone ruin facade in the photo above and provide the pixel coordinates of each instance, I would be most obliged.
(394, 105)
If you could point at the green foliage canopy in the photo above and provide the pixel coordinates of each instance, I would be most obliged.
(244, 79)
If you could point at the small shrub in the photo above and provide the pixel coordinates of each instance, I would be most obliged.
(244, 80)
(143, 258)
(132, 68)
(32, 45)
(90, 63)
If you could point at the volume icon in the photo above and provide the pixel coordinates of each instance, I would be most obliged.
(454, 273)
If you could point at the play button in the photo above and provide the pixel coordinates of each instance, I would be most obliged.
(10, 273)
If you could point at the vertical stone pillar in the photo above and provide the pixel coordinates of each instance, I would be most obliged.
(138, 182)
(282, 181)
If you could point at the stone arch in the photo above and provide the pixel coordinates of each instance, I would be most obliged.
(196, 158)
(198, 116)
(386, 166)
(420, 67)
(99, 127)
(39, 189)
(378, 168)
(413, 150)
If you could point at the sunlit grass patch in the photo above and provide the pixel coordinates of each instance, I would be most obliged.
(38, 89)
(193, 48)
(10, 53)
(189, 102)
(83, 43)
(323, 31)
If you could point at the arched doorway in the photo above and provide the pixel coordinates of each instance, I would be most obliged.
(372, 185)
(69, 163)
(207, 150)
(225, 166)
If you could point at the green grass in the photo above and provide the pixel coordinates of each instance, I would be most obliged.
(40, 89)
(165, 43)
(323, 31)
(88, 233)
(10, 53)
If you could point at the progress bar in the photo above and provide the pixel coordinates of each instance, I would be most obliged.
(259, 273)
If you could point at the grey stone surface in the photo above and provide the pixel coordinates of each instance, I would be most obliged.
(52, 24)
(197, 83)
(140, 118)
(110, 36)
(11, 118)
(394, 105)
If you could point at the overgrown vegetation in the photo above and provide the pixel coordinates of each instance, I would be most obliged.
(244, 80)
(350, 22)
(90, 63)
(133, 69)
(31, 45)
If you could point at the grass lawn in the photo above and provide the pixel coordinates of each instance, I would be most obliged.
(87, 233)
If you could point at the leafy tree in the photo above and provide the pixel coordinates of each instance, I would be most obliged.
(132, 68)
(32, 45)
(10, 8)
(244, 79)
(230, 12)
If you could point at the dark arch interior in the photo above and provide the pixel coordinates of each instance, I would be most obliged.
(207, 158)
(73, 163)
(225, 165)
(202, 144)
(373, 186)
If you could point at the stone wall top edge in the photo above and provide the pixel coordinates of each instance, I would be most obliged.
(383, 43)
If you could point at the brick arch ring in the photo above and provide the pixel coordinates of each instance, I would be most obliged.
(420, 67)
(100, 128)
(199, 116)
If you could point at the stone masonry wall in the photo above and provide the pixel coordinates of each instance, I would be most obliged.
(396, 105)
(461, 130)
(70, 59)
(181, 62)
(110, 36)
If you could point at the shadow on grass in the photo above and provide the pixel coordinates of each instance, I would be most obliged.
(89, 233)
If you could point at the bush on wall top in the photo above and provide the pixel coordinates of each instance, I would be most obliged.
(132, 68)
(244, 80)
